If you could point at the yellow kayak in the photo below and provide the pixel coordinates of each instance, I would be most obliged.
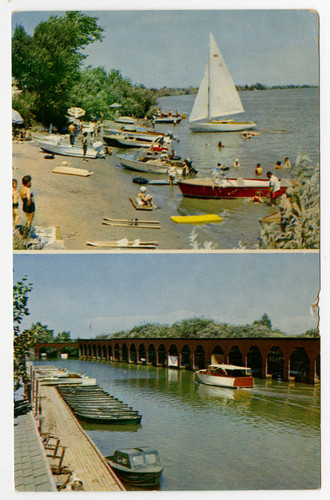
(196, 219)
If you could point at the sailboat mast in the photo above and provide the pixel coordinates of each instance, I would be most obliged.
(208, 93)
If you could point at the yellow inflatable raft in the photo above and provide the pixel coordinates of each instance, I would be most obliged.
(196, 219)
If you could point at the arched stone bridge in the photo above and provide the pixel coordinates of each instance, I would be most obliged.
(284, 358)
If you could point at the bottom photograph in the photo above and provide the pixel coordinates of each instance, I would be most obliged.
(176, 372)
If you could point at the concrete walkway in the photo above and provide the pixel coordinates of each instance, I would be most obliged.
(31, 468)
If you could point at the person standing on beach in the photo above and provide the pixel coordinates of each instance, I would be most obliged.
(84, 141)
(27, 199)
(72, 132)
(16, 215)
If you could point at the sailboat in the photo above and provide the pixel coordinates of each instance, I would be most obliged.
(217, 97)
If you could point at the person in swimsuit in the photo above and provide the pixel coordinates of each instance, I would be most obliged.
(27, 200)
(16, 215)
(84, 141)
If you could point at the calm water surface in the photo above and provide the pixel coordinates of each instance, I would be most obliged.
(288, 122)
(211, 438)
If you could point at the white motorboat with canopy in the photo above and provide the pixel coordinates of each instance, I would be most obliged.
(217, 98)
(223, 375)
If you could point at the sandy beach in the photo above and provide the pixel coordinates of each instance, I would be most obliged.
(77, 205)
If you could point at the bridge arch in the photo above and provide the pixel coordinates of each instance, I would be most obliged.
(151, 355)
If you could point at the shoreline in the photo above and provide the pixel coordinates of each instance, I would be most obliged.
(77, 205)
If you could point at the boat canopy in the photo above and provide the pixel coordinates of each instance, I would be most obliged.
(229, 367)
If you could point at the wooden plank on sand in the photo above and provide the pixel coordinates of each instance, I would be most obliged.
(72, 171)
(138, 207)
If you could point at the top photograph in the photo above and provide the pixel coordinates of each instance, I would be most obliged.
(165, 130)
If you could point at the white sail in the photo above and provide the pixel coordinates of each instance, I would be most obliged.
(224, 98)
(200, 111)
(217, 95)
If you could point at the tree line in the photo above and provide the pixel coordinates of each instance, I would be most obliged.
(48, 69)
(25, 340)
(205, 328)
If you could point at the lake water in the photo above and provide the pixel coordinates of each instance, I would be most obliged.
(211, 438)
(288, 123)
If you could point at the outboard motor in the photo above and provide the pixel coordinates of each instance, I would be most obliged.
(191, 169)
(99, 148)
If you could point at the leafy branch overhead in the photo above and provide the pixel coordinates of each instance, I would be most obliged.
(48, 67)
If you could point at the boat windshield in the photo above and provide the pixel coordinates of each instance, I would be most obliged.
(237, 373)
(151, 458)
(138, 461)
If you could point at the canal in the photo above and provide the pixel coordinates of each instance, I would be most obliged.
(211, 438)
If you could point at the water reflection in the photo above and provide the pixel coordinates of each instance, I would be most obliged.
(216, 393)
(274, 423)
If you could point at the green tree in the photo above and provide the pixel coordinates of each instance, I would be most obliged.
(41, 333)
(63, 337)
(23, 341)
(47, 64)
(97, 90)
(265, 320)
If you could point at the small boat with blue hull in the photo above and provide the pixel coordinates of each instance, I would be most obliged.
(137, 466)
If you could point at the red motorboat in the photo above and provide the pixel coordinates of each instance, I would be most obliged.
(227, 188)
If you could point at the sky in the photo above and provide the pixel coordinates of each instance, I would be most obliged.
(170, 48)
(113, 292)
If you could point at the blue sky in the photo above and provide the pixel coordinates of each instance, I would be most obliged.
(119, 291)
(170, 48)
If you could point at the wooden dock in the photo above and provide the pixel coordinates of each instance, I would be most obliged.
(82, 456)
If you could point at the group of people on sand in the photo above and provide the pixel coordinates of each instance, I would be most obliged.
(26, 196)
(21, 134)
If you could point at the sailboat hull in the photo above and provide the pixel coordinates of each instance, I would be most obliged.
(221, 126)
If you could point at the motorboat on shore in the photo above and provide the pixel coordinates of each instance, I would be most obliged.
(138, 133)
(149, 164)
(56, 146)
(125, 119)
(217, 98)
(137, 466)
(227, 188)
(127, 140)
(223, 375)
(166, 118)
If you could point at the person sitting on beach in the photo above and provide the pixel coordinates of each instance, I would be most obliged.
(278, 165)
(84, 141)
(220, 145)
(143, 198)
(236, 163)
(274, 187)
(287, 163)
(15, 195)
(258, 170)
(27, 199)
(171, 171)
(256, 198)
